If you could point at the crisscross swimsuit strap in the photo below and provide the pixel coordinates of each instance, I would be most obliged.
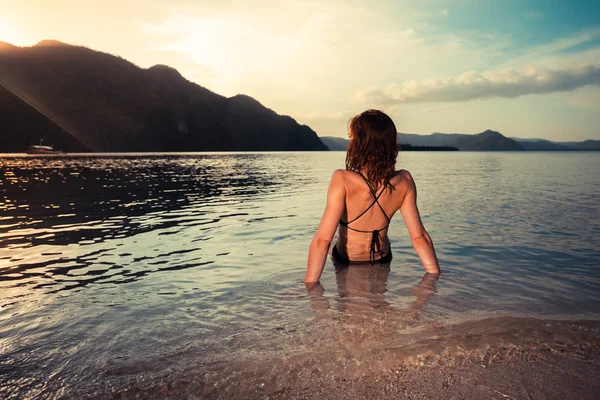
(375, 238)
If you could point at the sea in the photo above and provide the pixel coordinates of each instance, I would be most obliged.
(181, 276)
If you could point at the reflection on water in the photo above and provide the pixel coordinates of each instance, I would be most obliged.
(75, 213)
(361, 282)
(142, 270)
(89, 200)
(362, 287)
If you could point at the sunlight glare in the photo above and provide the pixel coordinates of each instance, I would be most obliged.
(9, 34)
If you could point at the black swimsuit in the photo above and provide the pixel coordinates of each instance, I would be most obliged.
(375, 239)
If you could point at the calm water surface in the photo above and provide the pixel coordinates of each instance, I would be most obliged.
(121, 272)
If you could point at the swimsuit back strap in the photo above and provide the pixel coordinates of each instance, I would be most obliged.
(375, 238)
(376, 197)
(382, 210)
(375, 246)
(363, 231)
(376, 200)
(363, 213)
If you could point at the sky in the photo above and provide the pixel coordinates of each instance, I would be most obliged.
(525, 68)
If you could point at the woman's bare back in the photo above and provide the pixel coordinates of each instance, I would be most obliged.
(353, 244)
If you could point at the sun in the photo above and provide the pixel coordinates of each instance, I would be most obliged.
(9, 33)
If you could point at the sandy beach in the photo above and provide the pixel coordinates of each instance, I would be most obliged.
(501, 358)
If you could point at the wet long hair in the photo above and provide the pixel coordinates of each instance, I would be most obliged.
(373, 149)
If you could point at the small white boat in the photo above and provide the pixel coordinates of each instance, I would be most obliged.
(41, 149)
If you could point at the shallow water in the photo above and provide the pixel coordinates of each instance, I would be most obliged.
(136, 271)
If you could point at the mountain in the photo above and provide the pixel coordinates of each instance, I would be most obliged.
(487, 141)
(335, 143)
(484, 141)
(435, 139)
(540, 144)
(6, 46)
(105, 103)
(585, 145)
(543, 144)
(341, 144)
(22, 125)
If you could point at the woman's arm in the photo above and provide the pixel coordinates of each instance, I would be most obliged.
(336, 202)
(424, 290)
(419, 237)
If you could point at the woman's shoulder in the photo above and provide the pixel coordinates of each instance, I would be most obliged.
(344, 174)
(339, 177)
(338, 174)
(402, 175)
(402, 179)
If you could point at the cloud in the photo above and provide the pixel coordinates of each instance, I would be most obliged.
(445, 109)
(575, 49)
(566, 43)
(506, 83)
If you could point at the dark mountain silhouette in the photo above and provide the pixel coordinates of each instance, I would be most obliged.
(434, 139)
(540, 144)
(469, 142)
(485, 141)
(109, 104)
(335, 143)
(341, 144)
(6, 46)
(410, 147)
(22, 125)
(585, 145)
(548, 145)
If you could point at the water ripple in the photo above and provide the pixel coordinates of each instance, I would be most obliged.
(114, 267)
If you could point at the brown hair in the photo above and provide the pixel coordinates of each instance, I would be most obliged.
(373, 150)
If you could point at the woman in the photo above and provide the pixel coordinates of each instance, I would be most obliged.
(363, 198)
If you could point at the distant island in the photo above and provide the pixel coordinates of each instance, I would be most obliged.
(341, 144)
(78, 99)
(488, 140)
(410, 147)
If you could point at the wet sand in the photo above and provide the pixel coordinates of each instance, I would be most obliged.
(511, 375)
(498, 358)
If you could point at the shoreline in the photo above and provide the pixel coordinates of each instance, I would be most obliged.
(504, 358)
